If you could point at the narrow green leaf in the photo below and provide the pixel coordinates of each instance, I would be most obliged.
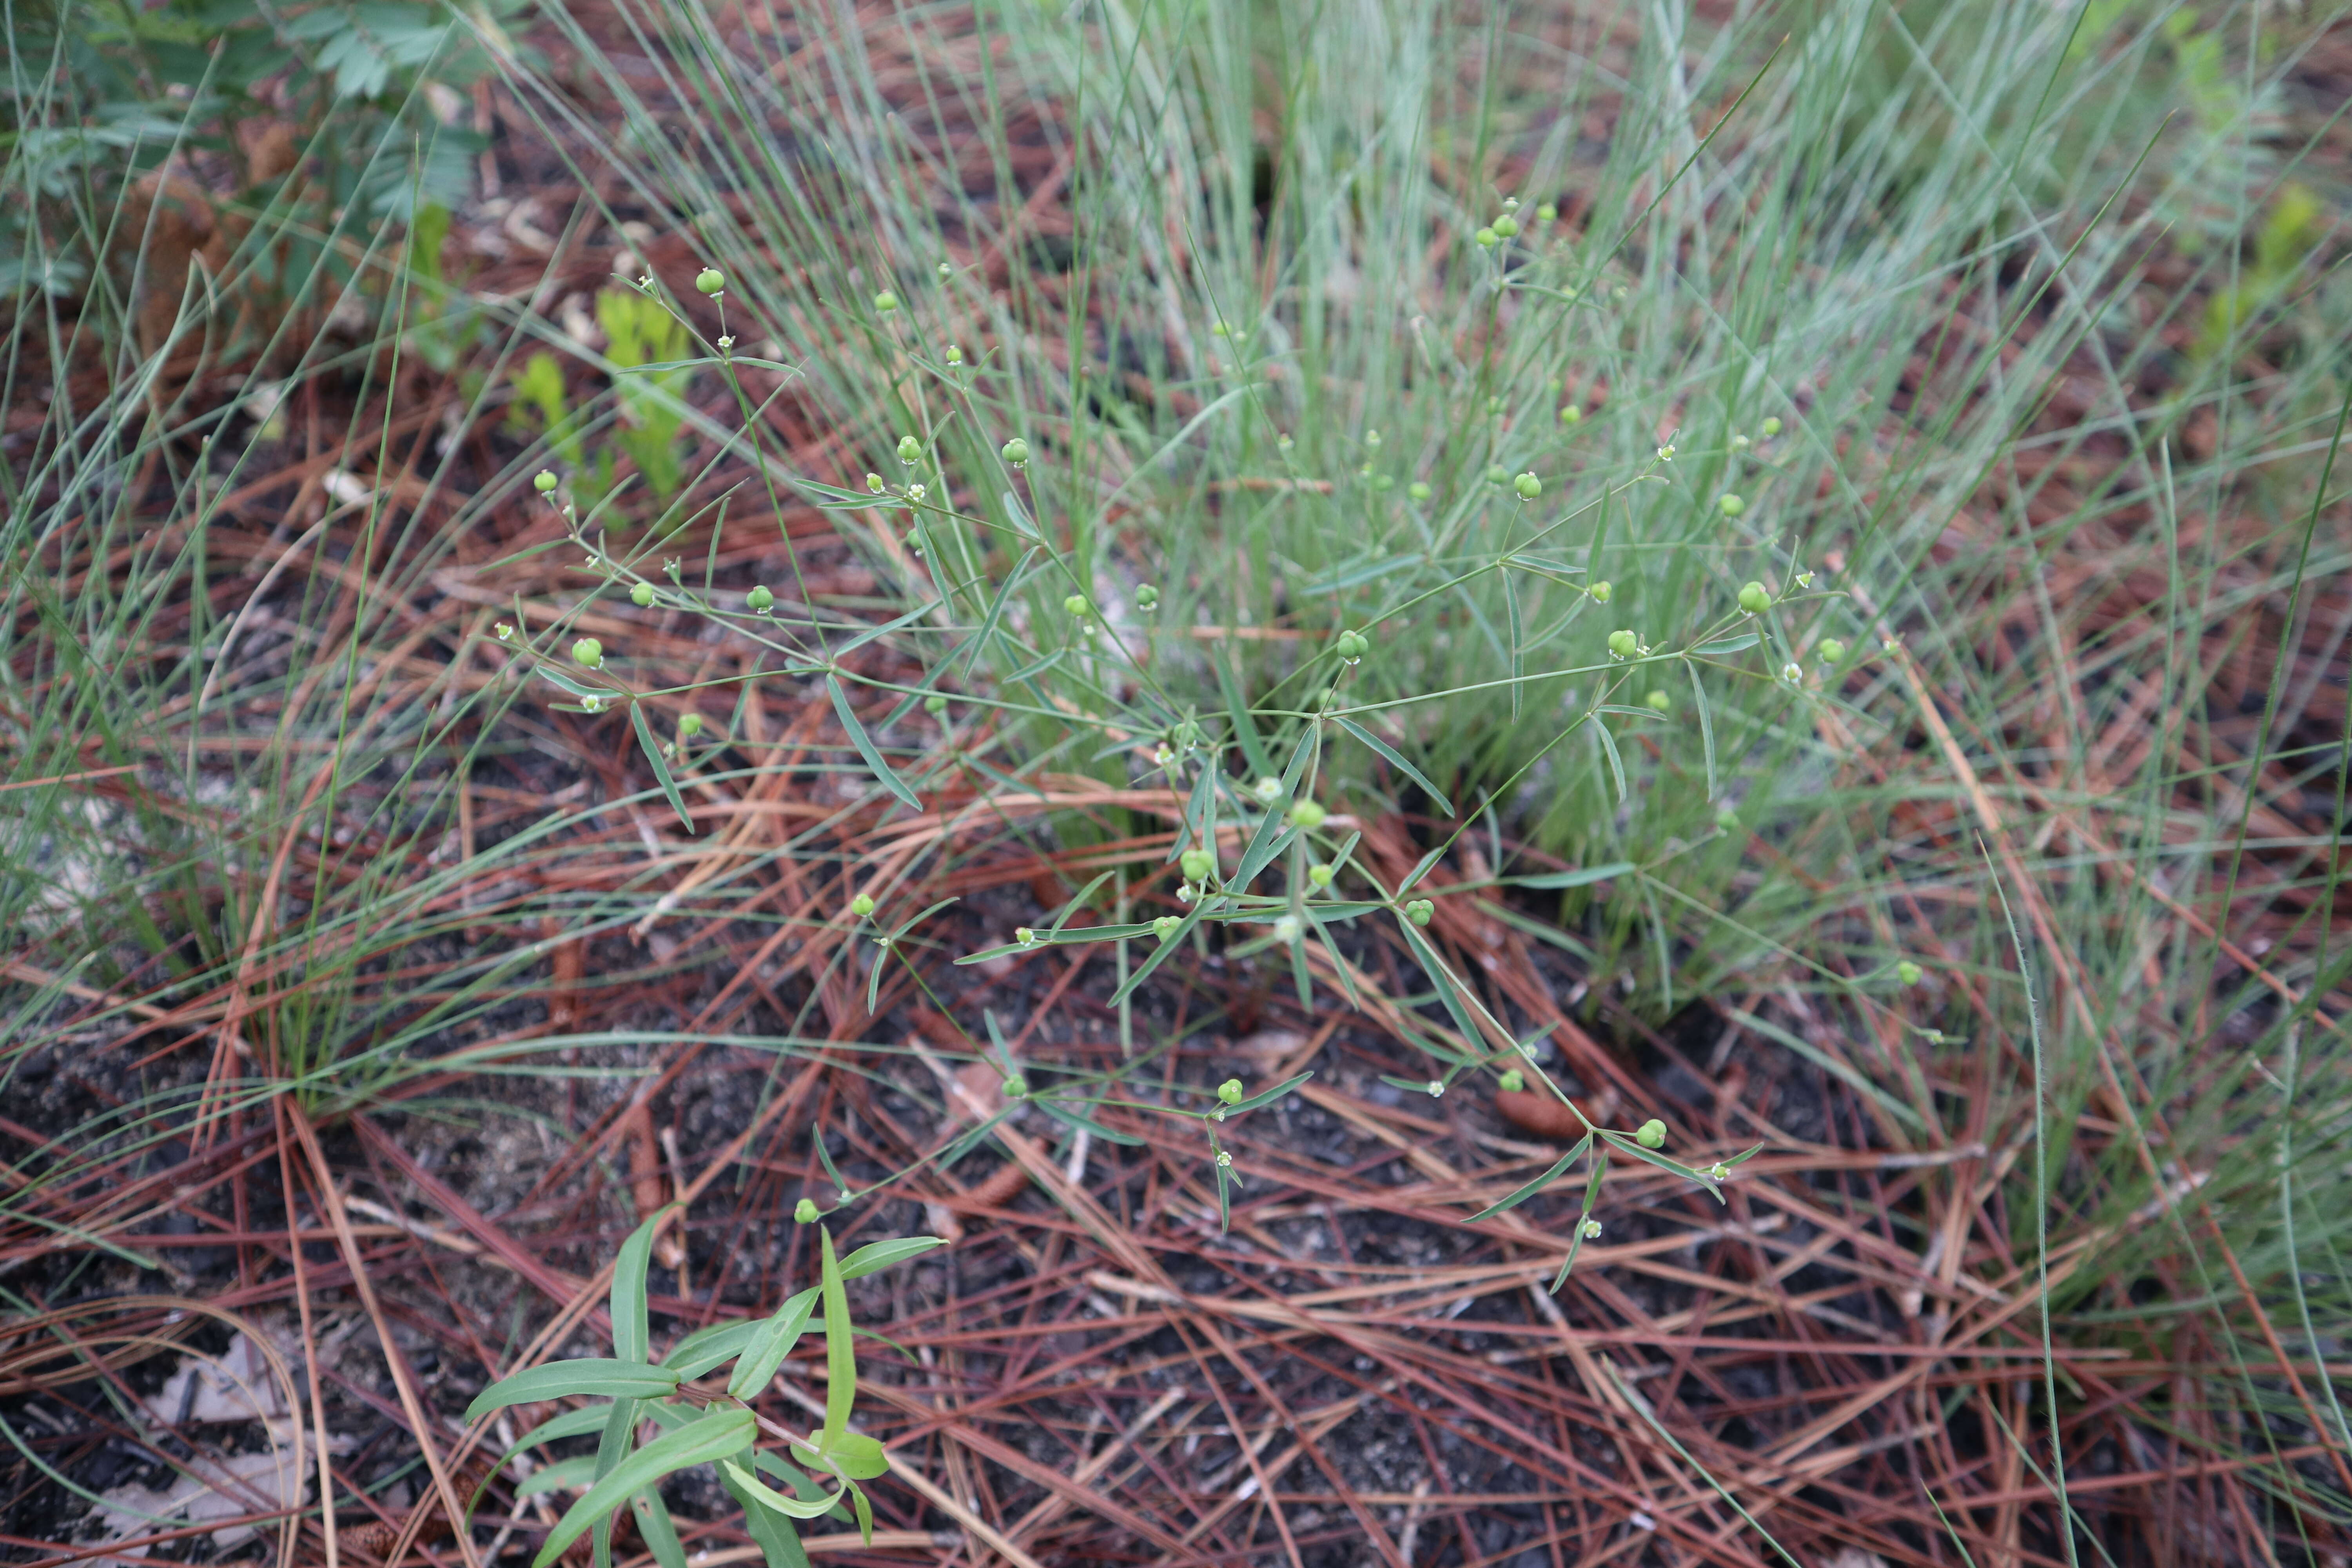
(1268, 1096)
(1590, 874)
(1396, 760)
(1440, 977)
(1539, 1183)
(1828, 1064)
(1421, 868)
(1158, 954)
(875, 1255)
(589, 1378)
(1237, 712)
(1652, 1157)
(630, 1338)
(1616, 763)
(864, 745)
(1518, 642)
(824, 1158)
(1706, 724)
(1063, 1112)
(995, 616)
(704, 1442)
(749, 1489)
(661, 769)
(1739, 644)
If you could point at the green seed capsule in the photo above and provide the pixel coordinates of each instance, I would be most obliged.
(1507, 225)
(1528, 486)
(909, 450)
(805, 1211)
(590, 652)
(955, 354)
(1075, 604)
(1498, 476)
(935, 705)
(543, 481)
(689, 725)
(1832, 651)
(642, 594)
(1147, 597)
(1488, 238)
(1165, 927)
(1571, 415)
(1730, 505)
(1653, 1134)
(861, 906)
(1547, 213)
(1016, 1087)
(1660, 702)
(1419, 912)
(1755, 598)
(1601, 591)
(1623, 644)
(1513, 1081)
(761, 600)
(1306, 814)
(1197, 864)
(1908, 972)
(711, 280)
(1417, 491)
(1016, 452)
(1769, 428)
(886, 301)
(1319, 874)
(1231, 1091)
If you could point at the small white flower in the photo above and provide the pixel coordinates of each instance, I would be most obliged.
(1792, 673)
(1268, 789)
(1666, 453)
(1288, 928)
(592, 704)
(1225, 1157)
(1592, 1229)
(1436, 1088)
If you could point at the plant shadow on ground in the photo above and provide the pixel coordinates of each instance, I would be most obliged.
(339, 948)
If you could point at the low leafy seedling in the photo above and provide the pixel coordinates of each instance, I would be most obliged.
(700, 1426)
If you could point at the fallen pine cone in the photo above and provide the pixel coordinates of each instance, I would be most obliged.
(1008, 1184)
(1541, 1114)
(376, 1538)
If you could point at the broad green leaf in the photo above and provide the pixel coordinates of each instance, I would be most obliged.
(1539, 1183)
(631, 1337)
(855, 1457)
(771, 1344)
(704, 1442)
(1396, 760)
(661, 769)
(706, 1349)
(579, 1470)
(864, 745)
(1576, 878)
(589, 1378)
(877, 1255)
(570, 1424)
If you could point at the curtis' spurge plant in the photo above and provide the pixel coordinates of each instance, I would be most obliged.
(694, 1422)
